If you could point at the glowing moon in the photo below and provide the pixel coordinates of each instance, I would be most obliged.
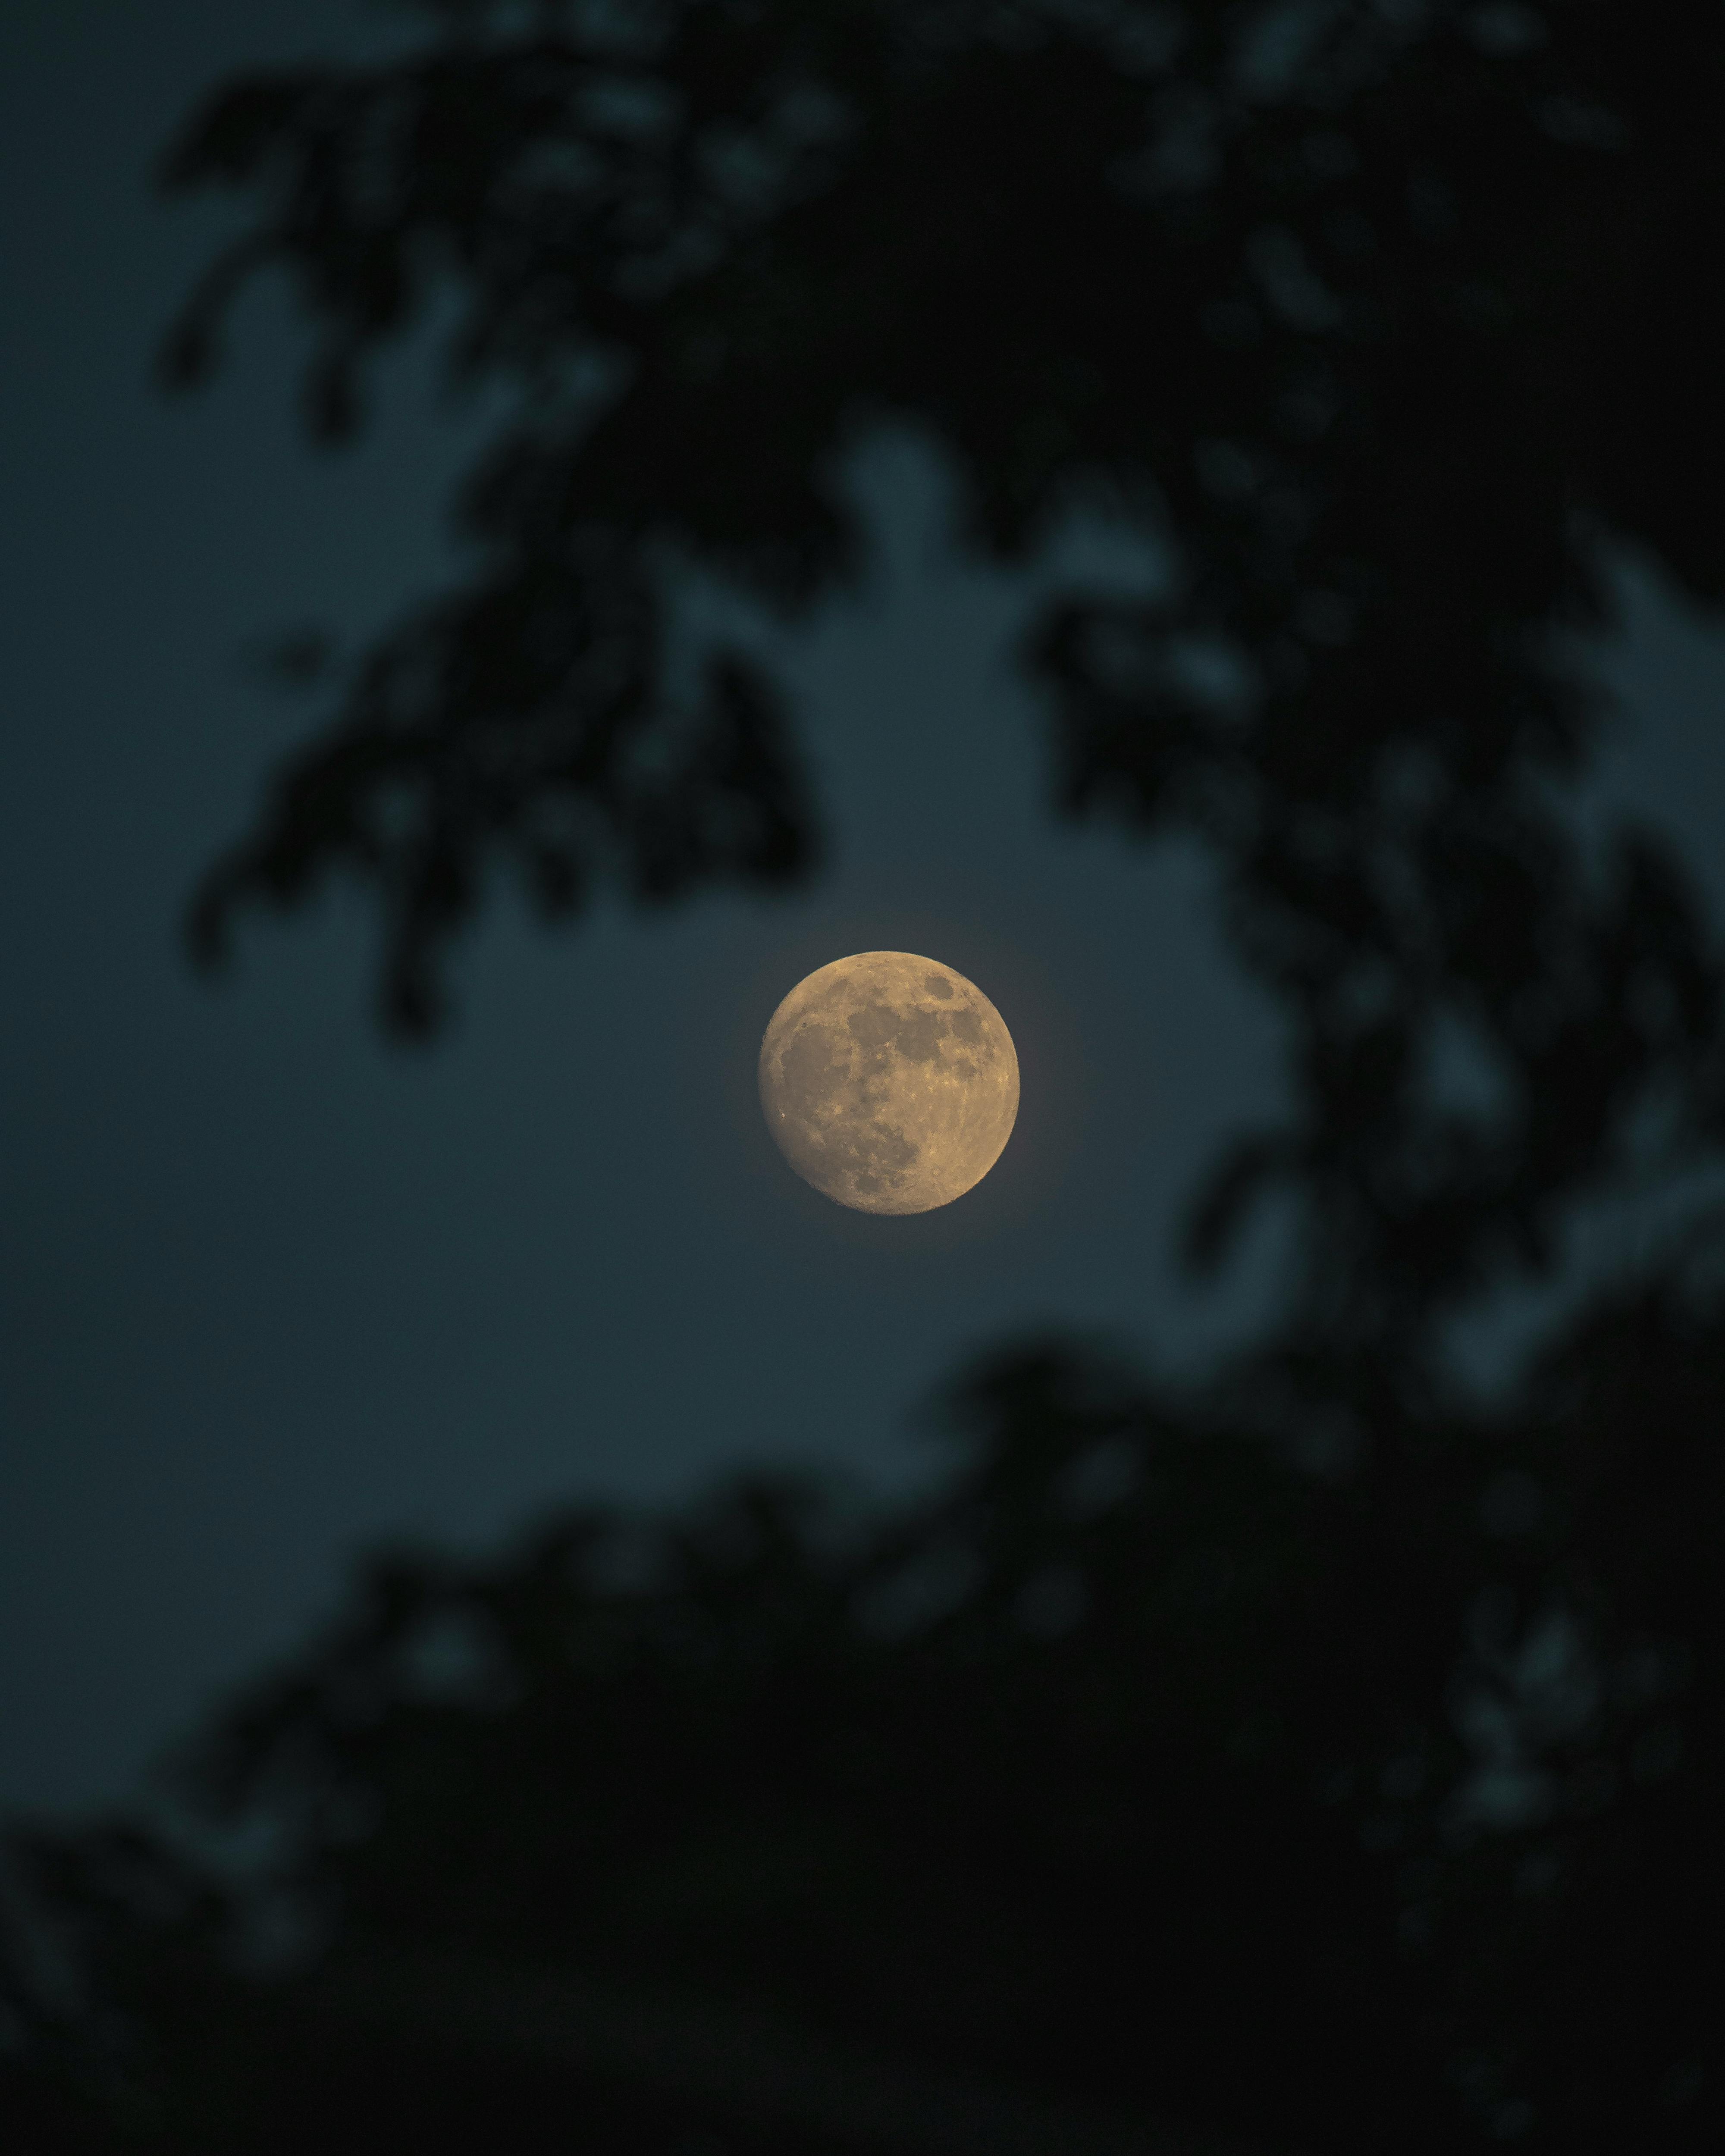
(889, 1082)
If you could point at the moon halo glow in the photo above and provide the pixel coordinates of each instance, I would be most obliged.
(888, 1081)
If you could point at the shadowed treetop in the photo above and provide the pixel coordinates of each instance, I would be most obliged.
(1385, 321)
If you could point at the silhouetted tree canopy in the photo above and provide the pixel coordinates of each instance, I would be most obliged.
(1383, 320)
(1324, 1752)
(1142, 1765)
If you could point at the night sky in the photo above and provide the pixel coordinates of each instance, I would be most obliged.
(276, 1291)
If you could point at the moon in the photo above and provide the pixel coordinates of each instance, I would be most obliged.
(889, 1082)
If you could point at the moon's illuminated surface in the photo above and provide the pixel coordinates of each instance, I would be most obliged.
(890, 1082)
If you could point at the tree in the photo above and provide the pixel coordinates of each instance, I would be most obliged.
(1387, 323)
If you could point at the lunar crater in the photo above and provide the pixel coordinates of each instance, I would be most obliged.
(889, 1085)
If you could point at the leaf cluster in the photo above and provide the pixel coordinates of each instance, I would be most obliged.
(1140, 1766)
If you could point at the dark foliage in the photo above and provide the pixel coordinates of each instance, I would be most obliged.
(1142, 1766)
(1382, 323)
(1324, 1755)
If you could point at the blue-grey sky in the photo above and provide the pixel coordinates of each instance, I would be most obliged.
(274, 1291)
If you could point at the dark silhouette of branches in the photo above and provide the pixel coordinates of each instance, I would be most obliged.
(1142, 1769)
(1383, 338)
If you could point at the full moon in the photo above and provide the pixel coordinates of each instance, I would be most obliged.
(889, 1082)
